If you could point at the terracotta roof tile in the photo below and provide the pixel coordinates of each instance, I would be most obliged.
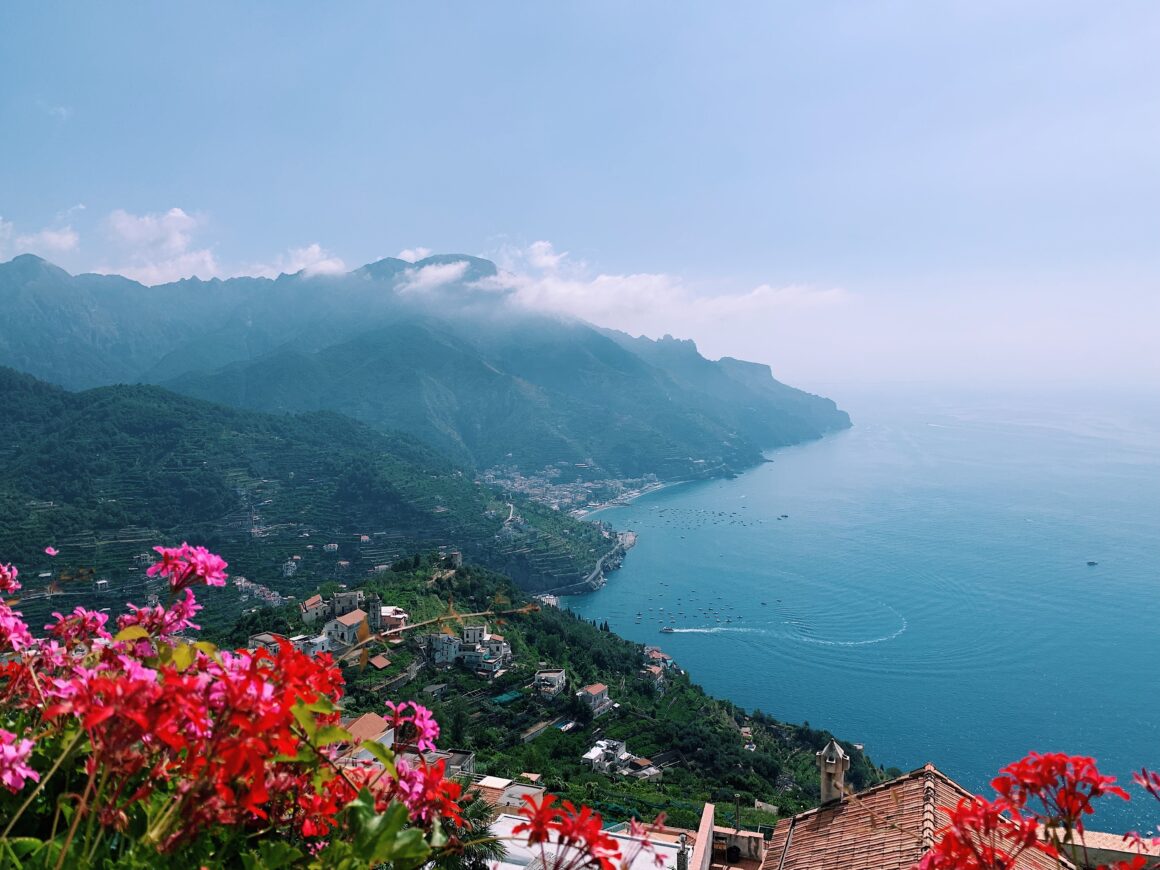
(380, 661)
(886, 827)
(355, 617)
(368, 726)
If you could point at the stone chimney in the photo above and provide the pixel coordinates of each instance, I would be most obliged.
(833, 763)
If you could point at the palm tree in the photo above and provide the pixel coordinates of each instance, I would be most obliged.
(480, 850)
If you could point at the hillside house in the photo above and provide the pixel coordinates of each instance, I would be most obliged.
(344, 630)
(608, 756)
(393, 618)
(655, 656)
(596, 698)
(551, 683)
(654, 675)
(312, 609)
(475, 648)
(266, 640)
(369, 727)
(317, 609)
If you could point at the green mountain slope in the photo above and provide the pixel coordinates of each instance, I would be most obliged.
(457, 363)
(105, 474)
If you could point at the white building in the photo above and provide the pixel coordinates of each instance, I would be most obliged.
(344, 630)
(552, 682)
(476, 648)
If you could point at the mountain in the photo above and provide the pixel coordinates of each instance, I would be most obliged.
(440, 349)
(105, 474)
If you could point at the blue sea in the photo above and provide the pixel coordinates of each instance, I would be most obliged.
(920, 584)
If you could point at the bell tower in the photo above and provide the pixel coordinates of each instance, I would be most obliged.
(833, 762)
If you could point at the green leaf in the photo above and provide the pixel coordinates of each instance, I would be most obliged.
(272, 855)
(328, 734)
(131, 632)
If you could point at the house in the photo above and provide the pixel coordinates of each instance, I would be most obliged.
(393, 618)
(596, 698)
(608, 756)
(457, 762)
(312, 646)
(266, 640)
(889, 826)
(551, 683)
(655, 676)
(316, 608)
(379, 662)
(344, 630)
(367, 728)
(612, 757)
(475, 648)
(313, 609)
(654, 656)
(500, 792)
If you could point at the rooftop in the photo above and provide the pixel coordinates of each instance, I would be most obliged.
(355, 617)
(889, 826)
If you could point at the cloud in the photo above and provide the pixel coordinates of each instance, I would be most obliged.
(652, 303)
(49, 241)
(412, 255)
(312, 259)
(433, 276)
(60, 113)
(158, 247)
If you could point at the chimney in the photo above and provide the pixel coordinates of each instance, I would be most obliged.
(833, 763)
(683, 853)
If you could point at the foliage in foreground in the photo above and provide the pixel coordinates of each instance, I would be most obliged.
(121, 748)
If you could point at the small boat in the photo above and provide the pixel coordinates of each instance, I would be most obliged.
(1092, 564)
(668, 629)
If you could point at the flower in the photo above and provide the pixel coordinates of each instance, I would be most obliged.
(187, 565)
(8, 575)
(14, 769)
(418, 727)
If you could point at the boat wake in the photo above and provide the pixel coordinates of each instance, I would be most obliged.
(881, 639)
(720, 629)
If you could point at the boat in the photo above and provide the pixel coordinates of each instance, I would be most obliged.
(668, 629)
(1092, 564)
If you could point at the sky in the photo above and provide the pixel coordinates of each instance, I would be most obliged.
(855, 193)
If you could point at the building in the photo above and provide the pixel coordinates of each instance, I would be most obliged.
(888, 826)
(654, 675)
(596, 698)
(344, 630)
(313, 609)
(266, 640)
(393, 618)
(500, 792)
(551, 683)
(655, 656)
(612, 757)
(475, 648)
(367, 728)
(317, 609)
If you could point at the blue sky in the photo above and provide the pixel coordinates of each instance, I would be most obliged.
(853, 192)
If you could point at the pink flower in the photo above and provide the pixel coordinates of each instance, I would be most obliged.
(8, 575)
(417, 727)
(14, 632)
(80, 626)
(14, 769)
(52, 551)
(161, 622)
(186, 565)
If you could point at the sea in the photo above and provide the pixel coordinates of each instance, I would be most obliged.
(921, 584)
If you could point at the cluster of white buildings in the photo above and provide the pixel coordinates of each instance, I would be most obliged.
(612, 757)
(475, 648)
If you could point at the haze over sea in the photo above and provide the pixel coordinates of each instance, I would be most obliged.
(928, 593)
